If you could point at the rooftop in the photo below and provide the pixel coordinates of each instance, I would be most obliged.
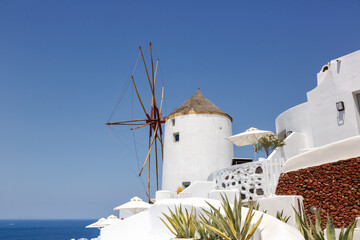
(198, 104)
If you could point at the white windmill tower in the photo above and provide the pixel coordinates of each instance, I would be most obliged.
(195, 144)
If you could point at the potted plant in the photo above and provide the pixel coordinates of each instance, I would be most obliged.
(182, 222)
(230, 225)
(212, 225)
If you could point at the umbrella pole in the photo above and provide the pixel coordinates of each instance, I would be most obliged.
(254, 153)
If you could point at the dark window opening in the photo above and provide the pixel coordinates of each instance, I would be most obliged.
(237, 161)
(186, 184)
(176, 137)
(357, 96)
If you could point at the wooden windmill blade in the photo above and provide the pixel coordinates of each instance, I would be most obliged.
(130, 122)
(157, 167)
(153, 118)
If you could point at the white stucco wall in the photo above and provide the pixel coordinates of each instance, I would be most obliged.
(318, 119)
(147, 225)
(199, 189)
(296, 119)
(285, 203)
(340, 82)
(202, 148)
(295, 144)
(336, 151)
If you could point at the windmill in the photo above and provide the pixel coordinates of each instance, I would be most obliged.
(153, 118)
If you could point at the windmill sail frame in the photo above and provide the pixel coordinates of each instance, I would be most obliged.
(153, 119)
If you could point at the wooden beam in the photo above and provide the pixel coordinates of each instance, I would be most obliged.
(148, 155)
(149, 170)
(146, 124)
(131, 124)
(157, 174)
(137, 93)
(147, 72)
(152, 77)
(162, 98)
(129, 121)
(157, 62)
(162, 148)
(160, 140)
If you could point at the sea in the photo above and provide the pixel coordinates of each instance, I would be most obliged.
(47, 229)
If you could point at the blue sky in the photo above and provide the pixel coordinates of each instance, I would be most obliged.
(63, 65)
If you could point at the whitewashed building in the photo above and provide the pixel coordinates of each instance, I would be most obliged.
(195, 144)
(332, 112)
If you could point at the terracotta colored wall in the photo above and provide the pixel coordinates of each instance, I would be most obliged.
(333, 187)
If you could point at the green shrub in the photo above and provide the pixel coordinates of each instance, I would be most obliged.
(315, 232)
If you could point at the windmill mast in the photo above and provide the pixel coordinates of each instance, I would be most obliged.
(152, 120)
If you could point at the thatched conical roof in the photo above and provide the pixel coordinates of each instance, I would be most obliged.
(198, 104)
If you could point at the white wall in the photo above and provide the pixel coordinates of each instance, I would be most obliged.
(340, 150)
(148, 225)
(200, 189)
(125, 213)
(285, 203)
(202, 148)
(295, 144)
(338, 84)
(296, 119)
(318, 119)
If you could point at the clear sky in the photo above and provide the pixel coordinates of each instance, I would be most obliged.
(64, 64)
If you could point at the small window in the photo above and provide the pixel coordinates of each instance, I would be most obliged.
(186, 184)
(176, 137)
(173, 121)
(237, 161)
(357, 96)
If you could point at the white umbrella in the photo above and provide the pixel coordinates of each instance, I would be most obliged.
(96, 224)
(110, 220)
(249, 137)
(135, 205)
(102, 222)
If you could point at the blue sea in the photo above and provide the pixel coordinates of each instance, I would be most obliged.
(46, 229)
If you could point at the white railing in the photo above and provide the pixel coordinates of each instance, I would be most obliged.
(272, 170)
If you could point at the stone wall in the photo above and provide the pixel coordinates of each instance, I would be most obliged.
(333, 187)
(248, 178)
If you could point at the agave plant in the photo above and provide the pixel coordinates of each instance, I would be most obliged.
(203, 232)
(230, 226)
(183, 223)
(315, 232)
(281, 217)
